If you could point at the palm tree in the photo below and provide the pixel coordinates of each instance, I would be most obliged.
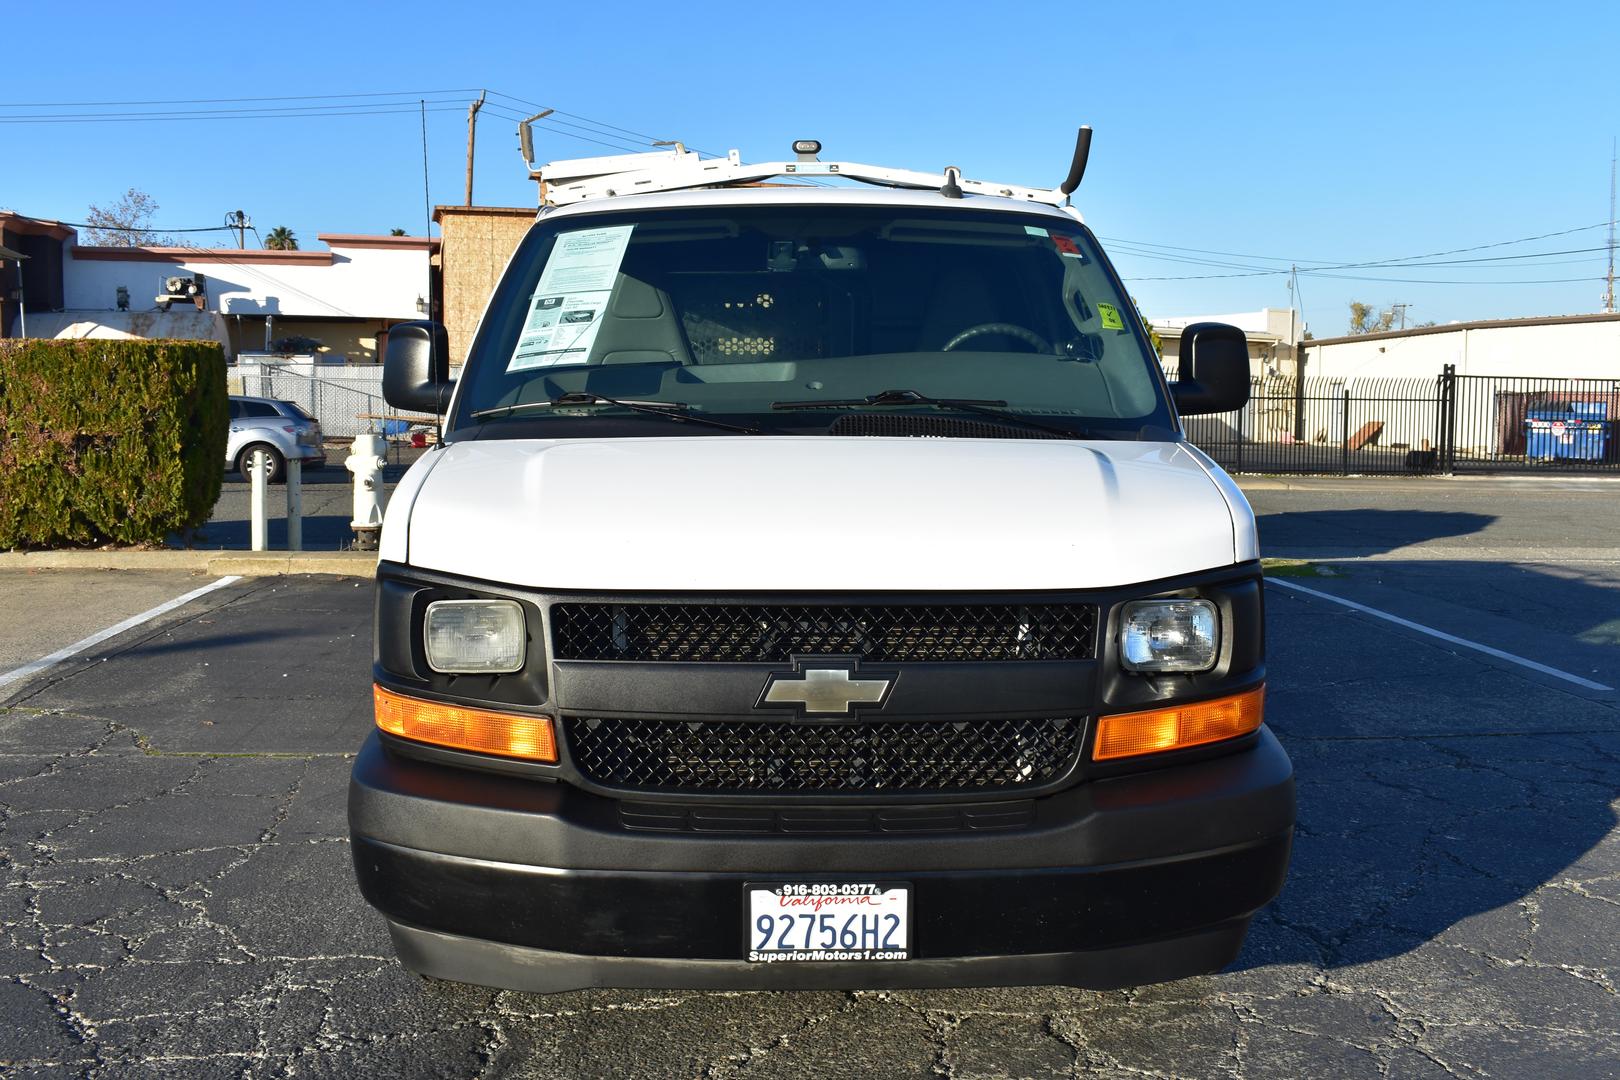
(281, 238)
(396, 232)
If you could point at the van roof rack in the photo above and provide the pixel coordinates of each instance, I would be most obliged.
(582, 179)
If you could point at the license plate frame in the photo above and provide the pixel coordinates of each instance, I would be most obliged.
(850, 904)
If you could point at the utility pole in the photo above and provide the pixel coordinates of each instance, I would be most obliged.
(1295, 332)
(1399, 311)
(1293, 318)
(472, 138)
(236, 219)
(1608, 294)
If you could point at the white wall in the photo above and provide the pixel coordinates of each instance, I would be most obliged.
(1585, 350)
(361, 282)
(186, 323)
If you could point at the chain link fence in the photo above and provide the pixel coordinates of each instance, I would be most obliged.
(347, 400)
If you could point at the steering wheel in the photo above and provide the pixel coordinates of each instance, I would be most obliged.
(1028, 337)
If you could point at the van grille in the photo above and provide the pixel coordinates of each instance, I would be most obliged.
(891, 756)
(775, 633)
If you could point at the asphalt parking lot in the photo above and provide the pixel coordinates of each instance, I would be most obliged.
(177, 897)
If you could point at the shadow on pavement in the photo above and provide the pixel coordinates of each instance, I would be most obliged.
(1305, 534)
(322, 532)
(1439, 793)
(211, 641)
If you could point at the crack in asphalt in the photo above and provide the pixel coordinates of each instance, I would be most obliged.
(193, 913)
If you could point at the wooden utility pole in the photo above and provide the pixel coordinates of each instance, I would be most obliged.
(472, 138)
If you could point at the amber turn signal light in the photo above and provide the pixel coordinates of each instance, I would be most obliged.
(1179, 726)
(461, 728)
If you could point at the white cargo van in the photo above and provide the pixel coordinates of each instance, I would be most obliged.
(814, 588)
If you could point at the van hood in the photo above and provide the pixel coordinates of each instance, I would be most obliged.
(733, 514)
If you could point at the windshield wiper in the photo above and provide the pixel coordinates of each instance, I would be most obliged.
(983, 406)
(669, 410)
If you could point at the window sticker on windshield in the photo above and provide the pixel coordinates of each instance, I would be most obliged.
(1110, 317)
(1034, 230)
(1067, 247)
(565, 310)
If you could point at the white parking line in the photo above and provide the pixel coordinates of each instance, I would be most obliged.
(34, 667)
(1443, 636)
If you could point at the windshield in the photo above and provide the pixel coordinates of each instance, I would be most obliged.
(787, 319)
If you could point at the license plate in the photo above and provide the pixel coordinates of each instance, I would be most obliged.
(819, 921)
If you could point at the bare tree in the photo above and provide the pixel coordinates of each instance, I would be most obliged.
(1364, 320)
(125, 223)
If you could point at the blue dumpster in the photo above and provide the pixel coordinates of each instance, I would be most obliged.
(1575, 433)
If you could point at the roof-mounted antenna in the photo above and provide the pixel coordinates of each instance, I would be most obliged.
(952, 188)
(680, 147)
(526, 136)
(1077, 168)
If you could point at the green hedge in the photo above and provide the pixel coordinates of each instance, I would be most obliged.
(120, 441)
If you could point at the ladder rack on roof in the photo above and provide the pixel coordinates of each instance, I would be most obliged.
(581, 179)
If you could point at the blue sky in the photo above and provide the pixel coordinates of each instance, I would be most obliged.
(1321, 133)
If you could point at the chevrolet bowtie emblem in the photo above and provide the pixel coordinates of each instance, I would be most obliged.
(826, 687)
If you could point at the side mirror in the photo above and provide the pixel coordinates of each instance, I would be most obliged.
(416, 367)
(1214, 370)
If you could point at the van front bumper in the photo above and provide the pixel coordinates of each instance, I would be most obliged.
(542, 887)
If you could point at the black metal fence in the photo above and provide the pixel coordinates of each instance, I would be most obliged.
(1449, 423)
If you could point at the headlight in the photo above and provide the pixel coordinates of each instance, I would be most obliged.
(1169, 635)
(474, 637)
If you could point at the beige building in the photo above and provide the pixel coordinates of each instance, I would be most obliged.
(1273, 333)
(476, 242)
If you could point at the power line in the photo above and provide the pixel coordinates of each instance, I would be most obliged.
(223, 101)
(405, 107)
(1407, 262)
(600, 124)
(508, 113)
(318, 106)
(163, 114)
(1363, 277)
(596, 134)
(1442, 281)
(599, 128)
(1339, 263)
(358, 104)
(148, 229)
(368, 104)
(561, 112)
(1474, 264)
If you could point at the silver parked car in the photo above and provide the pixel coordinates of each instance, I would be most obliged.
(280, 428)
